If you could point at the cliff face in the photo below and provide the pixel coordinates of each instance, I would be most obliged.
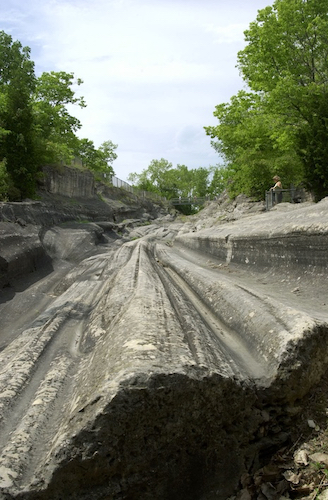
(67, 195)
(70, 182)
(156, 358)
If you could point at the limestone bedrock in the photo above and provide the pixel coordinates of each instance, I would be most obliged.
(159, 361)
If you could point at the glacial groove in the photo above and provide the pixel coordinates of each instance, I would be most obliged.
(147, 369)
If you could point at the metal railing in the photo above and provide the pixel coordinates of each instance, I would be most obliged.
(272, 197)
(190, 200)
(121, 184)
(118, 183)
(291, 195)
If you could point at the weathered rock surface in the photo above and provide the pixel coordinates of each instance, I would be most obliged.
(160, 361)
(68, 196)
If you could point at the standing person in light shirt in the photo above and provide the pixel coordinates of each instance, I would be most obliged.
(277, 195)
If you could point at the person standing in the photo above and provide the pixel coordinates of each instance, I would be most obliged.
(277, 194)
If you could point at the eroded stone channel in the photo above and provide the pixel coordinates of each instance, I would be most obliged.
(162, 367)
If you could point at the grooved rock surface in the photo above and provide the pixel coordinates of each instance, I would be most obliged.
(160, 361)
(68, 181)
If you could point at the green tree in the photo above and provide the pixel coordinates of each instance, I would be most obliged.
(183, 181)
(169, 182)
(200, 181)
(286, 41)
(154, 178)
(286, 58)
(55, 127)
(279, 126)
(97, 160)
(4, 181)
(254, 144)
(107, 150)
(36, 126)
(3, 111)
(190, 183)
(17, 82)
(218, 182)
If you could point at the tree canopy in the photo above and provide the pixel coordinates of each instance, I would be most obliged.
(280, 124)
(162, 178)
(17, 83)
(36, 127)
(98, 160)
(55, 128)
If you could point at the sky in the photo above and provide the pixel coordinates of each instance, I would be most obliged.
(152, 70)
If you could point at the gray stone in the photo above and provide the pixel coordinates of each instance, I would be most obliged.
(162, 365)
(68, 181)
(21, 252)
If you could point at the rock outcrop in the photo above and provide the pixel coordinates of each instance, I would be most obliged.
(70, 182)
(161, 360)
(67, 195)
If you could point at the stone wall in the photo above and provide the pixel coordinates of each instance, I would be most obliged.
(69, 181)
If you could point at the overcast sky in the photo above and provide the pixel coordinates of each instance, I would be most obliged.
(153, 70)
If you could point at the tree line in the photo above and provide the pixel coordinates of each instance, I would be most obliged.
(36, 127)
(279, 123)
(162, 178)
(276, 125)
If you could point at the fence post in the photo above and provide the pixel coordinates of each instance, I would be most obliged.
(269, 199)
(292, 193)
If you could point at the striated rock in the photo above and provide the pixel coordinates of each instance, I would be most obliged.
(72, 241)
(163, 365)
(69, 182)
(30, 234)
(68, 194)
(289, 238)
